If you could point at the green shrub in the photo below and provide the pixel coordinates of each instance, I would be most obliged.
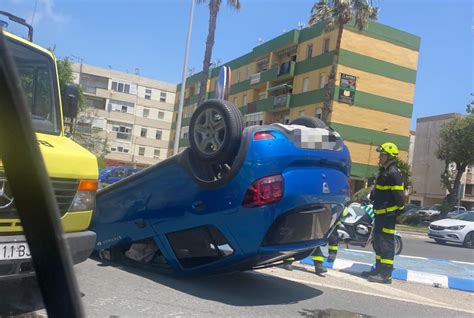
(361, 195)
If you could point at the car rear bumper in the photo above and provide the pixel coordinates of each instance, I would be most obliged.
(80, 246)
(446, 235)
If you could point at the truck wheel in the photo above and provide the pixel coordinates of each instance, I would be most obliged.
(469, 240)
(310, 122)
(215, 131)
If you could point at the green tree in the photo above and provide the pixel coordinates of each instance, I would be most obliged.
(335, 14)
(470, 105)
(456, 149)
(361, 195)
(405, 170)
(214, 6)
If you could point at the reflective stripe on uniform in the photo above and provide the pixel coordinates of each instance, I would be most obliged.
(389, 209)
(339, 222)
(332, 247)
(386, 261)
(317, 258)
(377, 257)
(387, 187)
(388, 231)
(291, 259)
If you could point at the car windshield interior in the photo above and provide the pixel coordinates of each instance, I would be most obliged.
(35, 71)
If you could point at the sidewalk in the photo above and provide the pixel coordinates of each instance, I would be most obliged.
(435, 272)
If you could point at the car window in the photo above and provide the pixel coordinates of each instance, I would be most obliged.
(466, 216)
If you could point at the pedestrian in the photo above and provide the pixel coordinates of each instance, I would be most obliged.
(387, 196)
(333, 245)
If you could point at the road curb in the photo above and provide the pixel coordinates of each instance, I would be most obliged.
(435, 280)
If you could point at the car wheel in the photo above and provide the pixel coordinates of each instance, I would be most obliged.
(310, 122)
(398, 245)
(215, 131)
(469, 240)
(440, 241)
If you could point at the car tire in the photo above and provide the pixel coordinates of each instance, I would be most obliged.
(310, 122)
(469, 240)
(215, 131)
(398, 245)
(440, 241)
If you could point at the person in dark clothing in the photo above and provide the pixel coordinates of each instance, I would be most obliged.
(387, 196)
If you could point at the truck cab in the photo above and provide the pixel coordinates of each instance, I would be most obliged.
(72, 169)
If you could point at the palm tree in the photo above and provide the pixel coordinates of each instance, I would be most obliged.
(214, 6)
(337, 13)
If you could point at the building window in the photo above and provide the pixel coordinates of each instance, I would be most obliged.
(121, 87)
(146, 112)
(319, 112)
(305, 84)
(185, 135)
(469, 189)
(323, 80)
(141, 151)
(158, 134)
(123, 132)
(309, 51)
(198, 88)
(123, 148)
(326, 46)
(161, 115)
(163, 97)
(244, 101)
(247, 73)
(156, 153)
(237, 77)
(147, 93)
(143, 132)
(120, 106)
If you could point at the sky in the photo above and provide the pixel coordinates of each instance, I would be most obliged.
(149, 36)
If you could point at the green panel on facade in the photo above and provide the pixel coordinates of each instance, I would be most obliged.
(211, 95)
(311, 32)
(243, 109)
(314, 63)
(389, 34)
(375, 66)
(383, 104)
(290, 37)
(240, 87)
(269, 75)
(265, 105)
(307, 98)
(368, 136)
(363, 171)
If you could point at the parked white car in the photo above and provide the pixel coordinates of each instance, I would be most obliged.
(459, 229)
(436, 210)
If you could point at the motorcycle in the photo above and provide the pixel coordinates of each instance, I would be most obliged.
(357, 227)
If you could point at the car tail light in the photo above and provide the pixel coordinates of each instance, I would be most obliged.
(264, 191)
(263, 135)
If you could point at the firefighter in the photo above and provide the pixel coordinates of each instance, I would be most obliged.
(387, 196)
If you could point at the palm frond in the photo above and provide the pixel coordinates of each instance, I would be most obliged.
(364, 12)
(322, 12)
(234, 4)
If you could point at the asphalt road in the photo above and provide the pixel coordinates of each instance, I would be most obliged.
(115, 291)
(422, 246)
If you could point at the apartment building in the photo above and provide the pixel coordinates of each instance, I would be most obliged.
(133, 113)
(427, 169)
(284, 78)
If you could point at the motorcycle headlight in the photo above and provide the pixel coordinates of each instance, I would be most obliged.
(84, 200)
(456, 227)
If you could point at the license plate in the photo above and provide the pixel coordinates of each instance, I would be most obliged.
(10, 251)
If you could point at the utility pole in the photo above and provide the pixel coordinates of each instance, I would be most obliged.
(183, 82)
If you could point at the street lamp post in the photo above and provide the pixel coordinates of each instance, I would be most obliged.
(183, 82)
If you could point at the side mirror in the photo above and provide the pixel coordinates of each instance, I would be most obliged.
(70, 101)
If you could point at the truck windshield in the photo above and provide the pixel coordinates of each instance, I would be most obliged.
(36, 73)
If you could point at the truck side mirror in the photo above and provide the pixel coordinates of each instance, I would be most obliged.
(70, 101)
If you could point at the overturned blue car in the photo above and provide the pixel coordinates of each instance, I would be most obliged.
(238, 198)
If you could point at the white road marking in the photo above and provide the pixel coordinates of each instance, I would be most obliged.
(358, 251)
(428, 279)
(460, 262)
(415, 257)
(383, 292)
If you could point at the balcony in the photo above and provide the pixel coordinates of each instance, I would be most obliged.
(123, 136)
(282, 101)
(286, 69)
